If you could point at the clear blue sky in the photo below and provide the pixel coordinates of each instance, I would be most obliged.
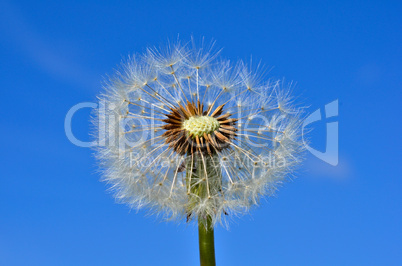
(54, 210)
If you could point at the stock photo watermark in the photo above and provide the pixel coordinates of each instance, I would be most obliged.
(139, 125)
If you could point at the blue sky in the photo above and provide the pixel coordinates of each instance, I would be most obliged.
(54, 55)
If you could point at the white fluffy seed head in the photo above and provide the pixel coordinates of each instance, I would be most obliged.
(137, 159)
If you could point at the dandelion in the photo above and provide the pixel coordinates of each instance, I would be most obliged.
(193, 137)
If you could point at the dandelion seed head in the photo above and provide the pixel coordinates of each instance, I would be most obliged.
(185, 134)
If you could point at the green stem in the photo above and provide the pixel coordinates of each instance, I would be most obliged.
(204, 179)
(206, 241)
